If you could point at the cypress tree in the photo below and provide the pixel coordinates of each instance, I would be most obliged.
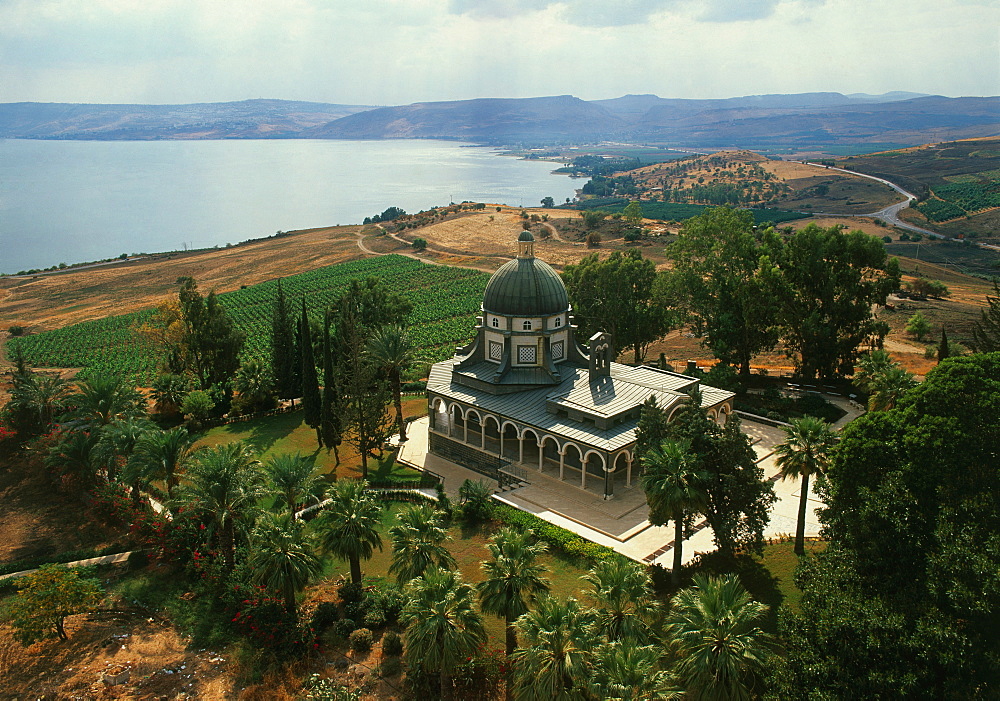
(331, 426)
(310, 383)
(943, 350)
(285, 360)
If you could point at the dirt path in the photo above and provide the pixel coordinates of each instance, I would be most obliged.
(429, 249)
(558, 237)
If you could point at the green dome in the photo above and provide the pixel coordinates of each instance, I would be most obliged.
(525, 287)
(525, 236)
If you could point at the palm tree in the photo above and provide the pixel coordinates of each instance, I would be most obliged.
(255, 386)
(889, 388)
(161, 455)
(625, 672)
(674, 490)
(555, 659)
(168, 392)
(418, 543)
(714, 628)
(224, 484)
(101, 399)
(806, 451)
(513, 578)
(391, 350)
(294, 478)
(442, 626)
(623, 593)
(36, 399)
(118, 441)
(283, 556)
(75, 455)
(348, 527)
(871, 367)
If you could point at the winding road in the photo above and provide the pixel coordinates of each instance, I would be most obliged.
(890, 214)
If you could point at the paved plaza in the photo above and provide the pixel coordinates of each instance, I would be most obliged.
(621, 523)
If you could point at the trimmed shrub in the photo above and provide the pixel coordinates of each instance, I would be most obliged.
(361, 640)
(560, 538)
(350, 593)
(392, 644)
(390, 667)
(325, 615)
(344, 627)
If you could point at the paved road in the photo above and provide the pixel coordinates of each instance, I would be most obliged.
(890, 214)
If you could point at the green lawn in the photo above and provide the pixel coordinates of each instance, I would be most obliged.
(468, 545)
(288, 433)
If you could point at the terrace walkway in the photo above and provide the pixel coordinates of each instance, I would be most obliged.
(621, 523)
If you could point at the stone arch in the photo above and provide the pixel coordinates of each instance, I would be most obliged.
(531, 453)
(550, 451)
(473, 427)
(725, 411)
(510, 441)
(620, 461)
(456, 417)
(439, 417)
(674, 411)
(587, 455)
(491, 433)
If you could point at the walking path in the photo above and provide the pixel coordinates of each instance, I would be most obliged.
(621, 523)
(112, 559)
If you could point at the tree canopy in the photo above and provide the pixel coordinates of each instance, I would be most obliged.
(905, 600)
(616, 295)
(726, 276)
(739, 499)
(827, 282)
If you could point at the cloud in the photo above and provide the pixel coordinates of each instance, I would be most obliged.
(587, 13)
(401, 51)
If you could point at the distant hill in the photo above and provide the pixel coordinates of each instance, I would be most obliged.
(490, 119)
(753, 121)
(249, 119)
(749, 122)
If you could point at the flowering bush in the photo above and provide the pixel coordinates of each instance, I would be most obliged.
(112, 504)
(265, 620)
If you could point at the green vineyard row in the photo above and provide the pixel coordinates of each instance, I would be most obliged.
(445, 301)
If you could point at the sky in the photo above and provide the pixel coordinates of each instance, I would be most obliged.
(388, 52)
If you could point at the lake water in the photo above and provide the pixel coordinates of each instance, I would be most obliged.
(74, 201)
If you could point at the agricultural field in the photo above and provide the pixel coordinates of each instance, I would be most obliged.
(445, 300)
(958, 199)
(960, 181)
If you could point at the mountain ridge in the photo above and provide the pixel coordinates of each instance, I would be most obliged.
(800, 119)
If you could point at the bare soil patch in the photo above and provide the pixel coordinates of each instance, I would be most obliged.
(38, 520)
(44, 302)
(156, 656)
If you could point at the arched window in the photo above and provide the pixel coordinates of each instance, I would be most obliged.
(558, 321)
(496, 323)
(526, 325)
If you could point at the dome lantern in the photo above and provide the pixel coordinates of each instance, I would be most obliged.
(525, 245)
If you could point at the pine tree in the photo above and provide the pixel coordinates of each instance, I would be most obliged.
(310, 383)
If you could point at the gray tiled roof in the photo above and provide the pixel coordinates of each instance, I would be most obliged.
(626, 388)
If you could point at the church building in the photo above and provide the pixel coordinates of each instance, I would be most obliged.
(526, 396)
